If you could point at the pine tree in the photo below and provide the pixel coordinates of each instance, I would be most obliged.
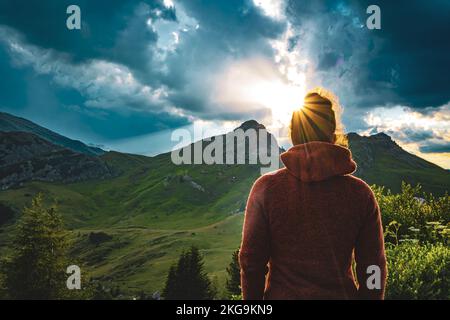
(233, 284)
(187, 279)
(36, 269)
(171, 289)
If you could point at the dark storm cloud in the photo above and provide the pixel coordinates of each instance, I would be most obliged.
(227, 31)
(103, 24)
(417, 135)
(426, 139)
(127, 33)
(233, 21)
(414, 46)
(35, 98)
(333, 36)
(406, 62)
(435, 148)
(114, 30)
(328, 60)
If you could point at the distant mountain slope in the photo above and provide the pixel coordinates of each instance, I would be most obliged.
(149, 191)
(9, 123)
(383, 162)
(26, 157)
(380, 161)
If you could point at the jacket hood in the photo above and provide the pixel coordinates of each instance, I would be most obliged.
(318, 161)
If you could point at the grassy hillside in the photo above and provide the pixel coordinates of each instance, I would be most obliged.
(151, 212)
(148, 191)
(138, 258)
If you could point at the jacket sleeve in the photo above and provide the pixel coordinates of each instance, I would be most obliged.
(254, 252)
(370, 255)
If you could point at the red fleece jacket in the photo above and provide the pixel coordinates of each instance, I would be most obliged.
(304, 222)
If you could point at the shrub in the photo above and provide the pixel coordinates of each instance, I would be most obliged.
(413, 214)
(418, 271)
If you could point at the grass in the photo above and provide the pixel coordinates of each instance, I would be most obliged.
(138, 258)
(152, 214)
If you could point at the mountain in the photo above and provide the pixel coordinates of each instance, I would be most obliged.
(128, 229)
(156, 185)
(9, 123)
(380, 160)
(383, 162)
(26, 157)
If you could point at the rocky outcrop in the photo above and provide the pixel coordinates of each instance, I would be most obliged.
(26, 157)
(182, 179)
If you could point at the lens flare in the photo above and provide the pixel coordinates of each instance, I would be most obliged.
(255, 85)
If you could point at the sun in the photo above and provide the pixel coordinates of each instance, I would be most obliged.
(256, 84)
(281, 97)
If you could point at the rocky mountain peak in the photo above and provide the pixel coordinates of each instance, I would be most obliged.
(381, 136)
(251, 124)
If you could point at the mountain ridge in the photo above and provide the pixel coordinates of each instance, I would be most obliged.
(379, 158)
(12, 123)
(26, 157)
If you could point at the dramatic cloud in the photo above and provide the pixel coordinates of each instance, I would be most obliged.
(426, 133)
(104, 84)
(400, 64)
(142, 67)
(443, 147)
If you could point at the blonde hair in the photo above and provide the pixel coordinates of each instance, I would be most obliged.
(319, 119)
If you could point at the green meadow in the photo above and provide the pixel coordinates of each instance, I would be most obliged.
(145, 218)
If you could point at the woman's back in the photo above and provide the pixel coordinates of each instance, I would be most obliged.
(305, 221)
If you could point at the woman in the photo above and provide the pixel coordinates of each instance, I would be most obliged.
(306, 222)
